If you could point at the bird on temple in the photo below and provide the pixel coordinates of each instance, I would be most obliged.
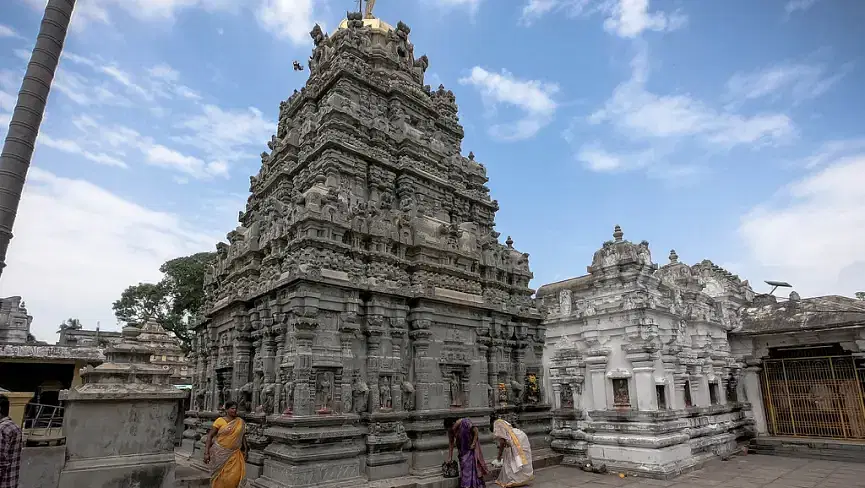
(297, 66)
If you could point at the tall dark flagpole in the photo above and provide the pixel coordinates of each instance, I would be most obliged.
(27, 117)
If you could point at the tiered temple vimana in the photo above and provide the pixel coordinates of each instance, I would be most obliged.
(365, 296)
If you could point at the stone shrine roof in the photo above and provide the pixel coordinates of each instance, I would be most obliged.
(767, 315)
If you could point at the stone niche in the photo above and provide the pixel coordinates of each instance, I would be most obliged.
(639, 363)
(365, 296)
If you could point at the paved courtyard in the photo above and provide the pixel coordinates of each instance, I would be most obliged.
(752, 471)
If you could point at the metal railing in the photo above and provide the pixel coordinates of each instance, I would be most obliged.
(42, 422)
(815, 397)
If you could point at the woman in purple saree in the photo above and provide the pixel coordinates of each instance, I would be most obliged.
(464, 435)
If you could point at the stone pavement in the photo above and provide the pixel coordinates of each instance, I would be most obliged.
(752, 471)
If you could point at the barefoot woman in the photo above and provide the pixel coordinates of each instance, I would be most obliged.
(515, 455)
(464, 435)
(226, 457)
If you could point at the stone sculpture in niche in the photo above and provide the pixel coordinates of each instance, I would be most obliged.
(245, 403)
(384, 395)
(324, 392)
(533, 391)
(503, 393)
(516, 393)
(360, 392)
(567, 396)
(288, 397)
(621, 395)
(407, 396)
(456, 390)
(266, 406)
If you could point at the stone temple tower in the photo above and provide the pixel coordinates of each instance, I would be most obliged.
(365, 296)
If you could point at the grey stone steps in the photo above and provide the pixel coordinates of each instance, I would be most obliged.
(827, 449)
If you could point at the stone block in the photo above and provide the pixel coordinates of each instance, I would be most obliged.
(40, 466)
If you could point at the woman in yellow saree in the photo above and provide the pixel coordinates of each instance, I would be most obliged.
(515, 455)
(226, 457)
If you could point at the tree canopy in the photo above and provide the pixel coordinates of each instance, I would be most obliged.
(171, 302)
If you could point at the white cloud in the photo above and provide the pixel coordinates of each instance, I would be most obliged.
(596, 158)
(635, 110)
(630, 18)
(7, 102)
(73, 147)
(798, 6)
(226, 135)
(159, 155)
(287, 19)
(534, 98)
(833, 150)
(811, 234)
(624, 18)
(655, 128)
(535, 9)
(87, 92)
(798, 81)
(6, 31)
(70, 232)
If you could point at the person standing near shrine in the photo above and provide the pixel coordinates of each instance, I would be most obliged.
(226, 456)
(10, 447)
(463, 435)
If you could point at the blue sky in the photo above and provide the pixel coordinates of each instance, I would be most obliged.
(730, 130)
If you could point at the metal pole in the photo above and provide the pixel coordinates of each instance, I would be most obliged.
(27, 117)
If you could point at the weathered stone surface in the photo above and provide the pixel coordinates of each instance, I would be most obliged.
(365, 296)
(40, 466)
(640, 369)
(14, 322)
(120, 424)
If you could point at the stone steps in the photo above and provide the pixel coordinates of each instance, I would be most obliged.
(828, 449)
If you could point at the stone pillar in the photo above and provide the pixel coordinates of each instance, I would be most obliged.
(374, 330)
(642, 358)
(121, 423)
(28, 112)
(678, 394)
(754, 395)
(257, 371)
(17, 404)
(242, 350)
(304, 389)
(596, 363)
(423, 365)
(700, 386)
(212, 393)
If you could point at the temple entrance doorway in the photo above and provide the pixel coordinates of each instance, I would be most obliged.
(815, 392)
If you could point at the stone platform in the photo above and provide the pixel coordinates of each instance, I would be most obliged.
(189, 476)
(830, 449)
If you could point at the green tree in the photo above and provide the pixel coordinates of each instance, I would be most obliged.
(171, 302)
(860, 295)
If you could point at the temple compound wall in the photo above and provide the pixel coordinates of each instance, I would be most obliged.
(365, 296)
(638, 361)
